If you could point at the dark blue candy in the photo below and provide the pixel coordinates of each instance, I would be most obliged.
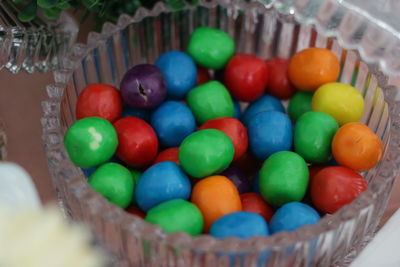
(292, 216)
(237, 111)
(161, 182)
(129, 111)
(88, 171)
(238, 179)
(173, 121)
(255, 184)
(264, 103)
(270, 132)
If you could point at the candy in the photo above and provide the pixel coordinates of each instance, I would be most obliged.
(237, 178)
(210, 101)
(114, 182)
(177, 215)
(136, 212)
(143, 87)
(179, 72)
(255, 183)
(206, 152)
(237, 110)
(292, 216)
(341, 101)
(211, 48)
(299, 104)
(173, 121)
(169, 154)
(138, 144)
(283, 178)
(313, 67)
(253, 202)
(234, 129)
(334, 187)
(278, 82)
(90, 142)
(313, 135)
(99, 100)
(161, 182)
(240, 224)
(215, 196)
(143, 114)
(264, 103)
(246, 77)
(269, 132)
(203, 75)
(357, 147)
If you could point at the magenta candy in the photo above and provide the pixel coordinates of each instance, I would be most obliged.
(238, 179)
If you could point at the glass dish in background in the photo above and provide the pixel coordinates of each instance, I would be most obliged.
(3, 141)
(256, 28)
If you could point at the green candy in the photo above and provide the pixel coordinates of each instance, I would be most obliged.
(283, 178)
(177, 215)
(114, 182)
(135, 175)
(206, 152)
(299, 104)
(211, 48)
(313, 136)
(91, 142)
(210, 101)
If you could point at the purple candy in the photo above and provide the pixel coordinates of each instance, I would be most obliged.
(143, 87)
(238, 179)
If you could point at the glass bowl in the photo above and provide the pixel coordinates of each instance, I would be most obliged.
(3, 141)
(266, 30)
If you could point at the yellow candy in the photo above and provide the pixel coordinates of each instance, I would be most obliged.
(341, 101)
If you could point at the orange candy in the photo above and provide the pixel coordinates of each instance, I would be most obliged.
(356, 146)
(215, 196)
(313, 67)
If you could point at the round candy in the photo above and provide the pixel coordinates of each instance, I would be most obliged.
(211, 48)
(161, 182)
(255, 183)
(234, 129)
(253, 202)
(169, 154)
(313, 67)
(240, 224)
(356, 146)
(237, 110)
(88, 171)
(299, 104)
(143, 114)
(334, 187)
(341, 101)
(177, 215)
(99, 100)
(90, 142)
(203, 75)
(173, 121)
(138, 144)
(292, 216)
(269, 132)
(237, 178)
(264, 103)
(278, 82)
(313, 170)
(143, 87)
(246, 77)
(215, 196)
(283, 178)
(313, 136)
(179, 71)
(206, 152)
(114, 182)
(210, 101)
(136, 212)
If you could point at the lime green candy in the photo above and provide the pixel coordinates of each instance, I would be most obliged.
(313, 136)
(299, 104)
(91, 142)
(206, 152)
(114, 182)
(211, 48)
(210, 101)
(283, 178)
(177, 215)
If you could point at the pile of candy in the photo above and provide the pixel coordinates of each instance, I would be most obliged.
(188, 159)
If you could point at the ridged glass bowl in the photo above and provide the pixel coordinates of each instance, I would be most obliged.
(3, 141)
(256, 28)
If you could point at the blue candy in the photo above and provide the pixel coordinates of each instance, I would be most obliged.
(179, 71)
(173, 121)
(292, 216)
(255, 184)
(236, 109)
(264, 103)
(88, 171)
(161, 182)
(240, 224)
(129, 111)
(270, 132)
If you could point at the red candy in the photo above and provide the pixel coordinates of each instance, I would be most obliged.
(99, 100)
(246, 77)
(278, 81)
(169, 154)
(137, 212)
(234, 129)
(253, 202)
(137, 142)
(334, 187)
(203, 75)
(314, 170)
